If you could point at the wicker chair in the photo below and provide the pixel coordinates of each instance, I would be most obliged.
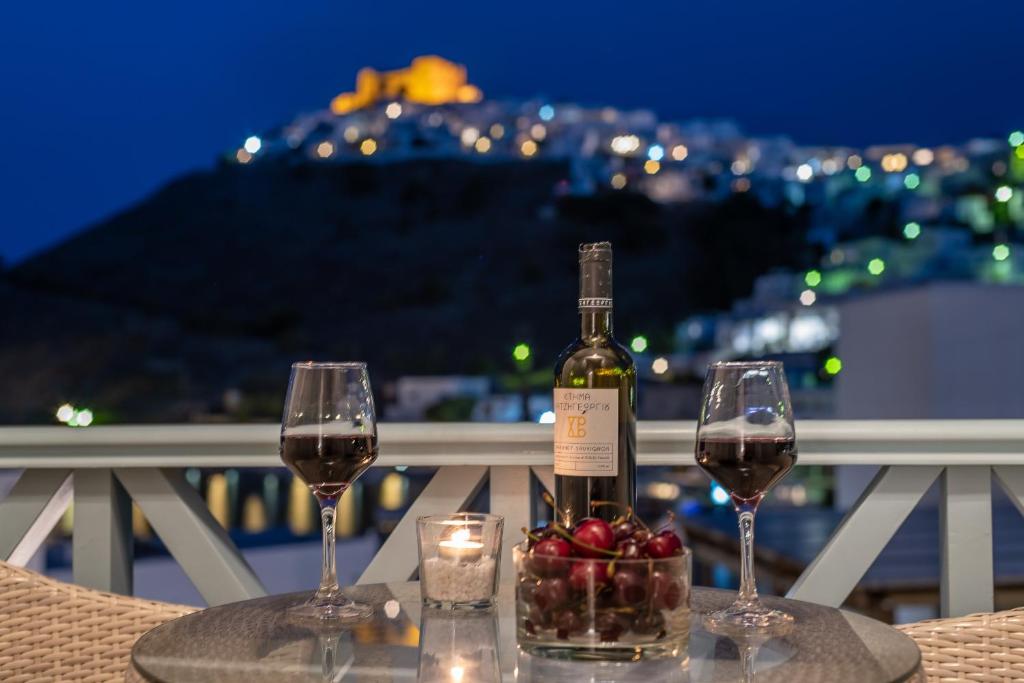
(981, 647)
(54, 631)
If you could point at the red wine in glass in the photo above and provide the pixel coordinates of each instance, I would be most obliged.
(328, 464)
(746, 467)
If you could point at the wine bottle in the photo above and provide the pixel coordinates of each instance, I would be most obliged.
(595, 405)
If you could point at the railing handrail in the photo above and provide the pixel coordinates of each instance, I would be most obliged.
(821, 442)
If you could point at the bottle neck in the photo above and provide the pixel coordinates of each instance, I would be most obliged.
(595, 323)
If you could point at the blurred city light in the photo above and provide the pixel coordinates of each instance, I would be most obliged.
(483, 145)
(863, 174)
(1001, 252)
(65, 413)
(639, 343)
(393, 110)
(252, 144)
(655, 152)
(912, 181)
(808, 297)
(894, 163)
(1016, 138)
(804, 172)
(625, 144)
(469, 136)
(813, 278)
(84, 417)
(1004, 193)
(923, 156)
(854, 162)
(368, 146)
(651, 166)
(521, 351)
(547, 418)
(833, 365)
(324, 150)
(538, 131)
(876, 266)
(528, 148)
(679, 152)
(546, 112)
(497, 131)
(911, 230)
(719, 496)
(659, 366)
(619, 181)
(242, 156)
(351, 134)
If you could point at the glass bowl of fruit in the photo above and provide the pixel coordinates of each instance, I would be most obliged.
(602, 591)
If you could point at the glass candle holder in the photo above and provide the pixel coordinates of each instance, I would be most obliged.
(459, 559)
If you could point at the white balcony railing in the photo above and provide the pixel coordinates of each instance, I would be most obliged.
(103, 468)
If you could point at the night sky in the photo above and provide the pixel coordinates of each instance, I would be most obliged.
(104, 102)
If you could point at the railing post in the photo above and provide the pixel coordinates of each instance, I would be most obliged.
(102, 544)
(30, 511)
(965, 522)
(511, 489)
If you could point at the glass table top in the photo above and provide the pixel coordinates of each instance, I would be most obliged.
(254, 641)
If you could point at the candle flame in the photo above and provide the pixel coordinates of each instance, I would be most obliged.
(461, 535)
(457, 673)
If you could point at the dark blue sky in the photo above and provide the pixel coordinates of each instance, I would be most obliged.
(101, 103)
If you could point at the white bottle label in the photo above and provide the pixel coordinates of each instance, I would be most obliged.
(587, 432)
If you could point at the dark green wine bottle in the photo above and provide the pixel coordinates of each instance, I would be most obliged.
(595, 405)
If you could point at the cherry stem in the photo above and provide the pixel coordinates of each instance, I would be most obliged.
(670, 523)
(547, 498)
(628, 508)
(531, 536)
(561, 531)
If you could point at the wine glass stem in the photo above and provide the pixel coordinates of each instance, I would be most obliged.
(748, 587)
(329, 571)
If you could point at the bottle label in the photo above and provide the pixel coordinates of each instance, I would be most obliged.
(595, 302)
(587, 432)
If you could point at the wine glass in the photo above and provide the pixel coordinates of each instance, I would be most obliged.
(746, 443)
(328, 439)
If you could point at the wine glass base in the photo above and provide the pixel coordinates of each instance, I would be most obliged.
(333, 607)
(747, 616)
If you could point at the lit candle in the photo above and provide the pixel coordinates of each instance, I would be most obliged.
(459, 548)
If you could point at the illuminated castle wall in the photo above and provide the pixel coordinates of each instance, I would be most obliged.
(429, 80)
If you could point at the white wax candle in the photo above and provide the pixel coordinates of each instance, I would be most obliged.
(459, 548)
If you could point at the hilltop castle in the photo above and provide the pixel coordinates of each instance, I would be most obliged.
(429, 80)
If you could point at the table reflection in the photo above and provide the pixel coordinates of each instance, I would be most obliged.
(458, 647)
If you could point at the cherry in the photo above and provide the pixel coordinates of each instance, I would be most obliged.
(650, 623)
(667, 590)
(665, 544)
(538, 617)
(623, 530)
(611, 625)
(547, 557)
(630, 549)
(551, 593)
(566, 623)
(595, 533)
(587, 573)
(539, 534)
(630, 588)
(641, 536)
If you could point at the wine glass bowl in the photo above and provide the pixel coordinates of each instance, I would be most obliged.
(328, 439)
(746, 442)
